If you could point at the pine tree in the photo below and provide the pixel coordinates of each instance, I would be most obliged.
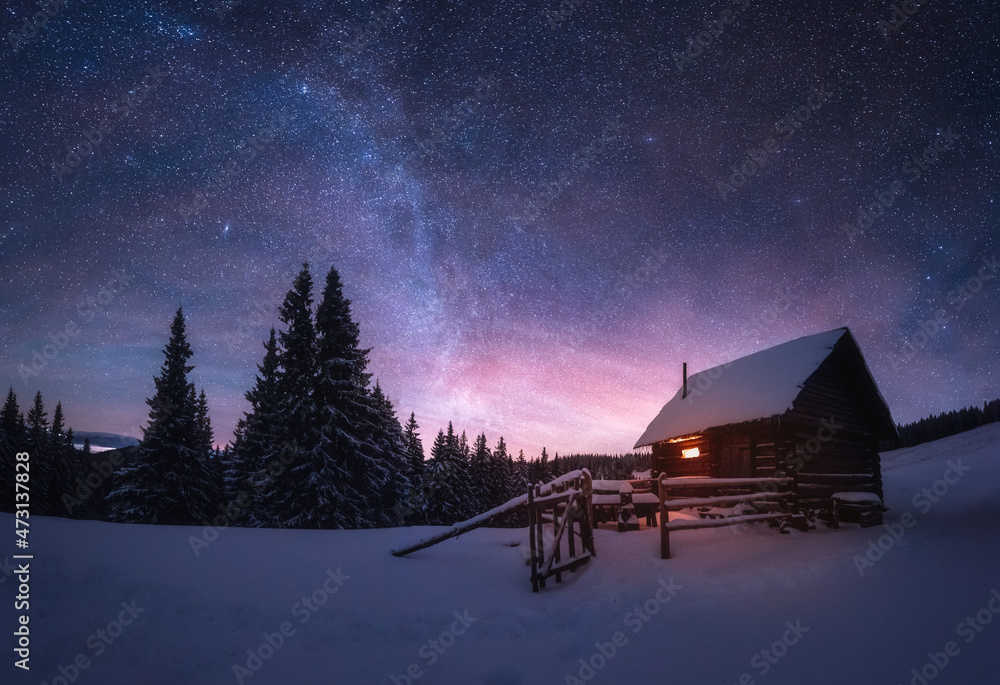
(446, 481)
(392, 451)
(295, 491)
(412, 509)
(63, 465)
(501, 473)
(543, 474)
(557, 469)
(481, 476)
(38, 444)
(12, 441)
(440, 476)
(414, 448)
(522, 472)
(245, 473)
(203, 445)
(353, 475)
(165, 482)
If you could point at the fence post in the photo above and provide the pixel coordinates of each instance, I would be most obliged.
(540, 535)
(664, 515)
(531, 537)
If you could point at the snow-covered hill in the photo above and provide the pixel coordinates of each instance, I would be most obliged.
(734, 605)
(100, 442)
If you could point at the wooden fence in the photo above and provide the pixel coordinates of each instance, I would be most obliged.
(709, 492)
(565, 502)
(567, 506)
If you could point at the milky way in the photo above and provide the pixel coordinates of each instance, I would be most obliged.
(538, 210)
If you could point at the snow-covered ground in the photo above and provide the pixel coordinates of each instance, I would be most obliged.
(735, 605)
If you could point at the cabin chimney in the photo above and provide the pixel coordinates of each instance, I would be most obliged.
(685, 391)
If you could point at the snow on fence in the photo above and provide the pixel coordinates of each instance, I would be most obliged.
(569, 502)
(778, 490)
(564, 502)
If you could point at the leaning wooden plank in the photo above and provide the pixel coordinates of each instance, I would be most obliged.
(684, 503)
(477, 521)
(555, 542)
(692, 524)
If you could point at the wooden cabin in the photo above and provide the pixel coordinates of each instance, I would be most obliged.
(808, 409)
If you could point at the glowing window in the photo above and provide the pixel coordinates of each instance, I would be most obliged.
(690, 453)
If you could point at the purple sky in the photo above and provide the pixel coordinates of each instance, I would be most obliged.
(527, 205)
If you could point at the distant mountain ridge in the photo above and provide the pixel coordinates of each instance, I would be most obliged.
(111, 441)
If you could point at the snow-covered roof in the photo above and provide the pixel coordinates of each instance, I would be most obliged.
(757, 386)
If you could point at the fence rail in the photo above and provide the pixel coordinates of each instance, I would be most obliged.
(717, 492)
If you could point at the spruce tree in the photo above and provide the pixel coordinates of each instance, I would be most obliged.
(392, 451)
(501, 475)
(290, 489)
(204, 447)
(481, 475)
(543, 473)
(245, 475)
(522, 472)
(38, 444)
(414, 449)
(446, 484)
(441, 507)
(352, 475)
(412, 509)
(165, 483)
(63, 465)
(12, 441)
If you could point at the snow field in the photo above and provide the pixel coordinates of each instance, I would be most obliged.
(748, 606)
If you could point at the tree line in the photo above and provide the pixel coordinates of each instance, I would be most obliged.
(320, 447)
(937, 426)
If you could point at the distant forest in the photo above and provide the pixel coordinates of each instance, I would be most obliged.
(937, 426)
(605, 466)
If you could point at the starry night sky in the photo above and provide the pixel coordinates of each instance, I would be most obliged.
(526, 201)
